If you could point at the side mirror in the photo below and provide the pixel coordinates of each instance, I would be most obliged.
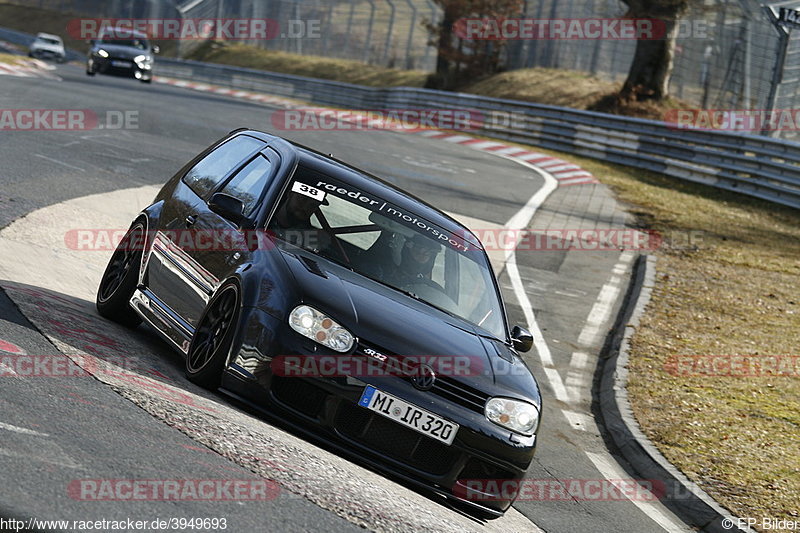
(522, 339)
(228, 207)
(156, 49)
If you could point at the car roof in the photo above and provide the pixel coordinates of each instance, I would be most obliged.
(48, 36)
(369, 183)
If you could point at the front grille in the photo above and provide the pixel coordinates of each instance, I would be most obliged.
(445, 386)
(299, 394)
(394, 440)
(460, 393)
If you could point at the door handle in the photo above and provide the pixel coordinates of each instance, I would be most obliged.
(191, 219)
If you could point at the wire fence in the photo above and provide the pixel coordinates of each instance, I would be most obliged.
(729, 55)
(382, 32)
(725, 55)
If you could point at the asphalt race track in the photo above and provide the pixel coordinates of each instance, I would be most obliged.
(156, 425)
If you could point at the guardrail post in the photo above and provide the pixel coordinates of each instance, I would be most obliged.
(777, 69)
(368, 40)
(434, 16)
(409, 60)
(388, 44)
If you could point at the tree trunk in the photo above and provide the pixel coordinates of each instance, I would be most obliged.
(651, 69)
(446, 38)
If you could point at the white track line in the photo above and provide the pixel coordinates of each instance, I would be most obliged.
(592, 334)
(56, 161)
(602, 309)
(580, 421)
(483, 145)
(604, 305)
(24, 431)
(458, 139)
(654, 512)
(518, 222)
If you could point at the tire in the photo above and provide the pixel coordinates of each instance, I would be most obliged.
(213, 337)
(121, 278)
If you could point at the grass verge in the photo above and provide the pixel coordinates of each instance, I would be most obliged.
(327, 68)
(10, 59)
(727, 284)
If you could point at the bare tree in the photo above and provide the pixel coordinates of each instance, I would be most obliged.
(650, 72)
(462, 59)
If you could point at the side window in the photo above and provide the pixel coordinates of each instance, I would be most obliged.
(213, 168)
(248, 184)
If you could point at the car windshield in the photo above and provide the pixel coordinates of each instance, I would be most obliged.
(391, 245)
(46, 40)
(134, 43)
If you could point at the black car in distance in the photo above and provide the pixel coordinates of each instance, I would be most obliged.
(340, 304)
(121, 52)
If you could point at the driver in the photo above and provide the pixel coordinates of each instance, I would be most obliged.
(292, 222)
(417, 259)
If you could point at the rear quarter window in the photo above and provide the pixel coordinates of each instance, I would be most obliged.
(210, 171)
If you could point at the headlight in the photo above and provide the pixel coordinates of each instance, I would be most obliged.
(102, 53)
(310, 323)
(515, 415)
(142, 61)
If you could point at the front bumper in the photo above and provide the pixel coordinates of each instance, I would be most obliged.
(327, 409)
(119, 67)
(41, 53)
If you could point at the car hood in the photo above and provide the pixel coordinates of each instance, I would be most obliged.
(123, 52)
(392, 323)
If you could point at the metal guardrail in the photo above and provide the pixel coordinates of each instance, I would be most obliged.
(758, 166)
(749, 164)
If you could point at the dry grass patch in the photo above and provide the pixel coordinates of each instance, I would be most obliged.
(10, 59)
(544, 86)
(734, 290)
(327, 68)
(735, 294)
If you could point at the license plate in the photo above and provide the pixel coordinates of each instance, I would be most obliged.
(121, 64)
(408, 415)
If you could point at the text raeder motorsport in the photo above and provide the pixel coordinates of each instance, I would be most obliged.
(384, 207)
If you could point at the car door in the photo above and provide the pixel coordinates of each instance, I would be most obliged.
(224, 245)
(173, 274)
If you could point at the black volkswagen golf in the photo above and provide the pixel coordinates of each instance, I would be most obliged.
(346, 307)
